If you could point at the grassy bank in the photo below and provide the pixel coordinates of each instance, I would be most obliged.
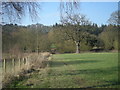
(87, 70)
(23, 69)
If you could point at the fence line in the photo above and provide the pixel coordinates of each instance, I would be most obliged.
(15, 66)
(22, 63)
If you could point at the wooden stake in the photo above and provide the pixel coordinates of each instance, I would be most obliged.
(4, 65)
(13, 63)
(19, 63)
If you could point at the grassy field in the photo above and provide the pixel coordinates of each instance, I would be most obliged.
(86, 70)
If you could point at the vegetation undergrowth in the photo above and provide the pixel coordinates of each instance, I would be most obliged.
(36, 62)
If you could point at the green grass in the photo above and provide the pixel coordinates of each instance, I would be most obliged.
(86, 70)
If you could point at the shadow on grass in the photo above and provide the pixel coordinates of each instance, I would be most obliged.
(106, 71)
(109, 85)
(71, 58)
(92, 72)
(73, 62)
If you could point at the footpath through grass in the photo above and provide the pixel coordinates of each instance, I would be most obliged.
(87, 70)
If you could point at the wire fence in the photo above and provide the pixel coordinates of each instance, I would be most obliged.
(14, 65)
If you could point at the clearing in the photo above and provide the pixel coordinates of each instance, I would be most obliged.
(85, 70)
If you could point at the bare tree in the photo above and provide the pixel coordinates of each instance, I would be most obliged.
(73, 29)
(70, 8)
(114, 18)
(15, 11)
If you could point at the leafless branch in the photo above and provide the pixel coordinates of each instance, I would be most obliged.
(15, 11)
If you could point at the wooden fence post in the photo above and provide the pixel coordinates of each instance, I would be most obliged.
(4, 65)
(22, 61)
(19, 63)
(26, 63)
(13, 63)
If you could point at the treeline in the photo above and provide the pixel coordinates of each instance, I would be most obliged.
(39, 38)
(24, 39)
(92, 38)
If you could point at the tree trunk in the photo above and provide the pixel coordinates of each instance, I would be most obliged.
(78, 47)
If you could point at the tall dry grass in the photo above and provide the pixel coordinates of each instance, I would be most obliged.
(34, 62)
